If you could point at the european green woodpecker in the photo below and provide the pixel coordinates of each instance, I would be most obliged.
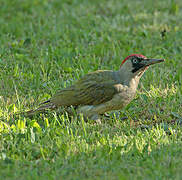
(103, 90)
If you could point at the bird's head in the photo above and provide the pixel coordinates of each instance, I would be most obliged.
(136, 64)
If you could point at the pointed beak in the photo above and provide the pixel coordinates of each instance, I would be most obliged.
(148, 62)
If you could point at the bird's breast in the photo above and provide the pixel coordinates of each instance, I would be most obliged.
(123, 98)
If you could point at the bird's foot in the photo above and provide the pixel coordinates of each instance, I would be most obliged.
(91, 118)
(95, 118)
(89, 114)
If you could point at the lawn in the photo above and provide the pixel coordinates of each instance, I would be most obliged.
(46, 45)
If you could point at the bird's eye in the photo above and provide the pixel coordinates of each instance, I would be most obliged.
(135, 61)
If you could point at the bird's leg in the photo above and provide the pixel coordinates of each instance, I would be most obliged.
(89, 113)
(93, 112)
(106, 115)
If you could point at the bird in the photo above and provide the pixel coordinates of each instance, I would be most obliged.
(101, 91)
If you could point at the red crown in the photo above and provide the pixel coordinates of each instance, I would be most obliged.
(137, 55)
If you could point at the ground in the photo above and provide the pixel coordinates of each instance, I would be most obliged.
(46, 45)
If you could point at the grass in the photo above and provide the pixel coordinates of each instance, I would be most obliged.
(46, 45)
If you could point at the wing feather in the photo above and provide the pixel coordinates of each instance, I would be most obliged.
(94, 88)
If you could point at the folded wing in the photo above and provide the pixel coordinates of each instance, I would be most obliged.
(94, 88)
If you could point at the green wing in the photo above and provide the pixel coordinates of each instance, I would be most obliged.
(94, 88)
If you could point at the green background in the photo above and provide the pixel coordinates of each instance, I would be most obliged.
(46, 45)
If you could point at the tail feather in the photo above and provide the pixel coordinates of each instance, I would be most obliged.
(45, 102)
(45, 106)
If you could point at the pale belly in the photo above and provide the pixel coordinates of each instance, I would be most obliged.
(119, 101)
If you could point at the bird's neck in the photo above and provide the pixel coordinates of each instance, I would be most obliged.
(128, 79)
(133, 83)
